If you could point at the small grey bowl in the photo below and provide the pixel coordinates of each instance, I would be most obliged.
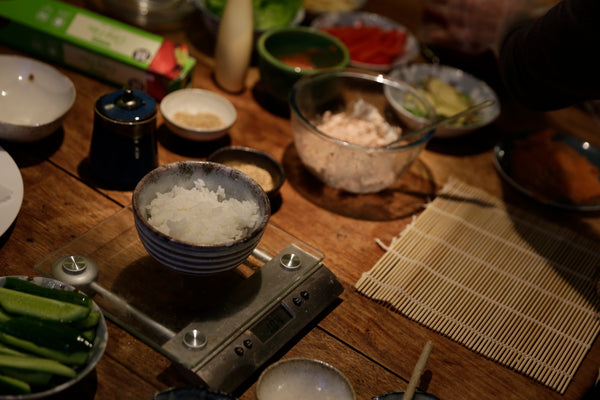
(238, 154)
(192, 258)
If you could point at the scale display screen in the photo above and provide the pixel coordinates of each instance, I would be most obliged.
(272, 323)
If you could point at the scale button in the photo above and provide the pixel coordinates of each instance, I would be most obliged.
(248, 343)
(297, 301)
(239, 351)
(304, 294)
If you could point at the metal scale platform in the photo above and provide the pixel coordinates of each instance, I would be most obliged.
(221, 327)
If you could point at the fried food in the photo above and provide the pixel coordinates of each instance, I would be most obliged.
(554, 170)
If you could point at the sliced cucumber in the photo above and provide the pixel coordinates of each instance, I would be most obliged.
(91, 321)
(4, 316)
(23, 285)
(50, 334)
(10, 385)
(11, 352)
(16, 302)
(36, 378)
(37, 364)
(76, 359)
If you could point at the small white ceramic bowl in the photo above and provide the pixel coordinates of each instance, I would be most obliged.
(185, 256)
(199, 110)
(303, 378)
(476, 89)
(34, 99)
(97, 351)
(367, 19)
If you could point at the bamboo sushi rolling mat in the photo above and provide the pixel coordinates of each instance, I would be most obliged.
(516, 289)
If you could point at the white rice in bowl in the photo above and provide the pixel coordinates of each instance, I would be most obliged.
(201, 216)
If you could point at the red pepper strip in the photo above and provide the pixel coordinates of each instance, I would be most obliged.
(370, 44)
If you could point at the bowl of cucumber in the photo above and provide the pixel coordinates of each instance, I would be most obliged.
(51, 336)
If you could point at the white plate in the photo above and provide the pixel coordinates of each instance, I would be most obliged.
(10, 178)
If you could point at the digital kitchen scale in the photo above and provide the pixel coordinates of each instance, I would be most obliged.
(221, 327)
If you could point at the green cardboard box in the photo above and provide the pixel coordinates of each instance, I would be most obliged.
(95, 45)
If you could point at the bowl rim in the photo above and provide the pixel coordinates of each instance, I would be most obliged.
(257, 231)
(48, 67)
(305, 360)
(259, 153)
(263, 52)
(203, 92)
(425, 136)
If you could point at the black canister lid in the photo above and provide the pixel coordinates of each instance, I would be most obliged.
(127, 106)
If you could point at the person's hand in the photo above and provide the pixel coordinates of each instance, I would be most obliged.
(468, 26)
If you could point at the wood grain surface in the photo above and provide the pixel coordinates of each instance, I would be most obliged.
(375, 347)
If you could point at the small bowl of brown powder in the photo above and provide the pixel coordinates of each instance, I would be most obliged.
(197, 114)
(258, 165)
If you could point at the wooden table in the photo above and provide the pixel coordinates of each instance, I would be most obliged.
(375, 347)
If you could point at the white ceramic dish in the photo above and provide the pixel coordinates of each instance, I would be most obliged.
(411, 47)
(100, 341)
(303, 378)
(11, 191)
(476, 89)
(194, 101)
(34, 99)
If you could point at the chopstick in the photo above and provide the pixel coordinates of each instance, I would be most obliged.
(418, 371)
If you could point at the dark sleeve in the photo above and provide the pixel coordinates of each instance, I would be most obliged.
(554, 61)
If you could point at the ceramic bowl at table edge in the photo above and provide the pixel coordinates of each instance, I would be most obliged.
(193, 258)
(98, 349)
(193, 101)
(477, 90)
(303, 377)
(255, 157)
(36, 98)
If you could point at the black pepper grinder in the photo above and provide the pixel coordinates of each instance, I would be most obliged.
(124, 147)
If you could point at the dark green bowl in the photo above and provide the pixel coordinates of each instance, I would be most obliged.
(287, 54)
